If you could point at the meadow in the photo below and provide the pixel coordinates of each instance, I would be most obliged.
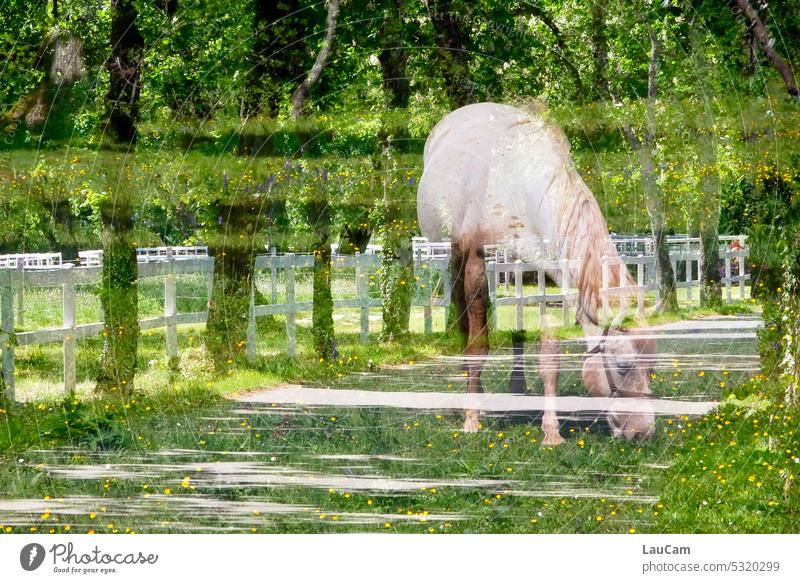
(181, 457)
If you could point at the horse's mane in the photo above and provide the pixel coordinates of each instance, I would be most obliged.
(582, 231)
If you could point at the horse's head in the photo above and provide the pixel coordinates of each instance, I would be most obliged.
(620, 366)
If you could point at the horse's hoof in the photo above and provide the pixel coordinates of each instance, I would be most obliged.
(552, 439)
(471, 424)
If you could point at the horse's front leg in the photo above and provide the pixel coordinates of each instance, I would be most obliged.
(476, 294)
(548, 370)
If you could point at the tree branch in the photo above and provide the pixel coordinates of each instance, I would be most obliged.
(759, 30)
(563, 52)
(301, 93)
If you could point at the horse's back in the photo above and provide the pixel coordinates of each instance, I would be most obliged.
(487, 168)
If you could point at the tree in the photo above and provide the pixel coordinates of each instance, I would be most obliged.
(233, 230)
(562, 51)
(644, 150)
(397, 260)
(394, 55)
(449, 19)
(642, 147)
(600, 48)
(319, 218)
(761, 34)
(59, 64)
(124, 69)
(119, 292)
(709, 182)
(300, 95)
(311, 203)
(279, 53)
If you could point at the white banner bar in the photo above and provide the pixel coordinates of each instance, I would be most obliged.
(416, 558)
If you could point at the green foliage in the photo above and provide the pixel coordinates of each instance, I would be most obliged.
(83, 424)
(735, 470)
(23, 27)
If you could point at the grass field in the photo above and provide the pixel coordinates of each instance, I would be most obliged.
(180, 458)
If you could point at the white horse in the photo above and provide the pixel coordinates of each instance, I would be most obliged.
(495, 173)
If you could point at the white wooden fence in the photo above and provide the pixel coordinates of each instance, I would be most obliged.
(642, 269)
(428, 272)
(431, 266)
(68, 277)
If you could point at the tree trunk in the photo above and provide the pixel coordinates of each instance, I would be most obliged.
(600, 48)
(397, 266)
(759, 30)
(119, 292)
(300, 95)
(278, 56)
(668, 301)
(319, 215)
(232, 243)
(397, 275)
(709, 183)
(394, 56)
(655, 210)
(124, 68)
(60, 59)
(452, 55)
(708, 215)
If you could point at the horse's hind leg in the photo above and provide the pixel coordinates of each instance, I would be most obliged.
(548, 370)
(476, 294)
(457, 267)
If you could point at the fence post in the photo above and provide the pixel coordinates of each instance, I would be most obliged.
(7, 328)
(518, 295)
(604, 290)
(291, 341)
(505, 273)
(252, 338)
(674, 274)
(170, 308)
(623, 293)
(447, 290)
(542, 281)
(651, 262)
(493, 275)
(21, 291)
(210, 287)
(428, 296)
(727, 277)
(689, 278)
(68, 322)
(274, 277)
(640, 287)
(565, 289)
(740, 260)
(363, 296)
